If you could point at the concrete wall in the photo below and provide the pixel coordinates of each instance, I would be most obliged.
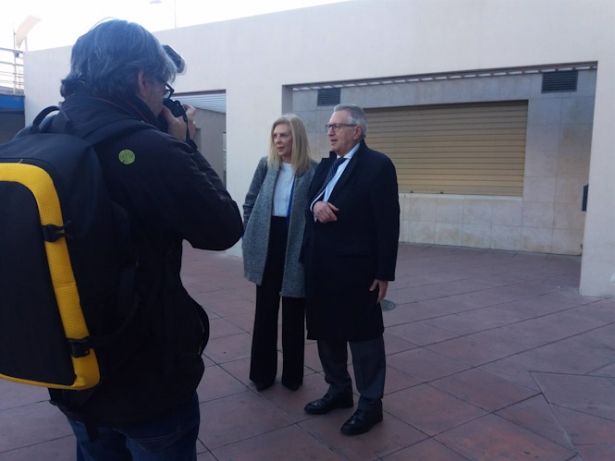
(211, 126)
(254, 58)
(547, 218)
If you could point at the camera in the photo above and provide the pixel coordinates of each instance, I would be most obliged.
(175, 107)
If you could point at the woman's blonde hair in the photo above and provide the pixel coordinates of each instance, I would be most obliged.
(300, 153)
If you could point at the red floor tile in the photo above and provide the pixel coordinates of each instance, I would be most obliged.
(592, 342)
(471, 351)
(588, 394)
(458, 323)
(514, 369)
(430, 410)
(483, 390)
(597, 452)
(537, 416)
(420, 333)
(287, 443)
(514, 338)
(424, 365)
(386, 437)
(563, 357)
(31, 424)
(428, 450)
(603, 310)
(15, 394)
(584, 429)
(396, 381)
(607, 372)
(394, 344)
(492, 438)
(243, 321)
(232, 307)
(239, 369)
(492, 329)
(229, 348)
(224, 421)
(220, 328)
(55, 450)
(291, 403)
(210, 298)
(217, 383)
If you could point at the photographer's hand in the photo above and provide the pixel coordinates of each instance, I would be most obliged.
(178, 128)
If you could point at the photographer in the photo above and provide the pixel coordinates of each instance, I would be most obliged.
(147, 409)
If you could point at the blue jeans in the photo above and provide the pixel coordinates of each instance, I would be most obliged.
(172, 438)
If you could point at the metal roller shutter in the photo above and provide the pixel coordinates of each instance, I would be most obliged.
(475, 149)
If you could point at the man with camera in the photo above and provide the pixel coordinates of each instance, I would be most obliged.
(147, 408)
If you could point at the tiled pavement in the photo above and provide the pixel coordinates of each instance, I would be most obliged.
(492, 355)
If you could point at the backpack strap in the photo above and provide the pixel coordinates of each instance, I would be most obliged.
(41, 122)
(127, 304)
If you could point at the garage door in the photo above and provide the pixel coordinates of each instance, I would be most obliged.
(454, 149)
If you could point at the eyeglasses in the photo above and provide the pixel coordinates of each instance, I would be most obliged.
(168, 91)
(336, 126)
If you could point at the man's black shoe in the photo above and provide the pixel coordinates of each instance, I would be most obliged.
(361, 422)
(328, 403)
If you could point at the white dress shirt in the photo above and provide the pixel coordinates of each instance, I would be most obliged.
(283, 188)
(338, 174)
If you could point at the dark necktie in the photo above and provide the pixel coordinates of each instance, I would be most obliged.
(330, 174)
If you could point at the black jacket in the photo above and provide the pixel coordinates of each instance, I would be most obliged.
(342, 258)
(171, 194)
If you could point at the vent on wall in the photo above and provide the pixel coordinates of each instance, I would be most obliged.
(558, 81)
(329, 96)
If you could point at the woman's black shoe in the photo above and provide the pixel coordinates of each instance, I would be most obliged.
(292, 386)
(264, 385)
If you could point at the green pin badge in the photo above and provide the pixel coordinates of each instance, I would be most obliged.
(126, 156)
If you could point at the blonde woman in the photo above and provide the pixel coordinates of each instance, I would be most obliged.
(274, 219)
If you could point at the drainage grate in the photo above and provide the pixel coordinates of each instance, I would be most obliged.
(559, 81)
(387, 305)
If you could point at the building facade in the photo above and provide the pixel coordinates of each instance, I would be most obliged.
(411, 61)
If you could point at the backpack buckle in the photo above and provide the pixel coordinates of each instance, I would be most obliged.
(79, 347)
(51, 232)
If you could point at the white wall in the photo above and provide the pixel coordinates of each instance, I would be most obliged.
(209, 138)
(253, 58)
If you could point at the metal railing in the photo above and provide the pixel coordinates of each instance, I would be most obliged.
(11, 71)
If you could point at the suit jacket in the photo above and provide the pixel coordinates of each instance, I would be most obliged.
(343, 258)
(257, 211)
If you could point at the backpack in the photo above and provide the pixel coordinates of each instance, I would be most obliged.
(67, 265)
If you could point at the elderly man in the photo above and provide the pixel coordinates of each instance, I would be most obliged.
(147, 407)
(350, 252)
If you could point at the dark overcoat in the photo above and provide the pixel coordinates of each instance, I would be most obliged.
(342, 258)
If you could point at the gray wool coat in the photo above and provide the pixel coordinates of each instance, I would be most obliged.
(257, 211)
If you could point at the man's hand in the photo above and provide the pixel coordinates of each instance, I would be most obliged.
(177, 126)
(325, 211)
(382, 288)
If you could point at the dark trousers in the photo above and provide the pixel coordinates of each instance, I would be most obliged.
(171, 438)
(369, 363)
(264, 360)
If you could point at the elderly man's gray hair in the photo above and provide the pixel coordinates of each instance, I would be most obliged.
(356, 116)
